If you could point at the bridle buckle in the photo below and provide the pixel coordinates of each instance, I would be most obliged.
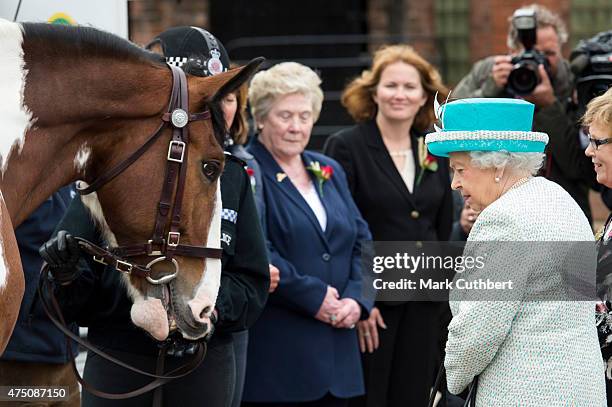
(181, 145)
(152, 252)
(174, 239)
(100, 260)
(123, 266)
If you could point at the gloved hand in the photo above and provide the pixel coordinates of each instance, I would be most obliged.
(62, 254)
(178, 346)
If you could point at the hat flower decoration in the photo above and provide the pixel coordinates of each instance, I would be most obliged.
(485, 124)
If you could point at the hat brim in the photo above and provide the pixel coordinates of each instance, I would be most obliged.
(442, 143)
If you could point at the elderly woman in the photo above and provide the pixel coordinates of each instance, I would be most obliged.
(304, 348)
(525, 353)
(598, 120)
(384, 155)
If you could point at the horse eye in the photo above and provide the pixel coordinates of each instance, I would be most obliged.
(211, 169)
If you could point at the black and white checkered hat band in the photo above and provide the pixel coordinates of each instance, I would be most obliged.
(229, 215)
(176, 61)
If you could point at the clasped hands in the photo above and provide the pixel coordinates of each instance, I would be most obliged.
(339, 313)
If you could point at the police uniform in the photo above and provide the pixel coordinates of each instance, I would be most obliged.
(97, 299)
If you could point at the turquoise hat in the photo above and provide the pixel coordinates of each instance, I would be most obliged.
(485, 124)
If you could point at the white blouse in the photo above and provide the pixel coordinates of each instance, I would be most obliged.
(312, 199)
(408, 171)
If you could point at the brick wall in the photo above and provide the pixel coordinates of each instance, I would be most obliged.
(489, 23)
(419, 26)
(148, 18)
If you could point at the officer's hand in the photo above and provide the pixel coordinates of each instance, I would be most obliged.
(543, 95)
(62, 254)
(501, 69)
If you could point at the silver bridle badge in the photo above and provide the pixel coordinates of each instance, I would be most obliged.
(179, 118)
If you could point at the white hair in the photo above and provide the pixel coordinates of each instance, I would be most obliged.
(517, 162)
(284, 79)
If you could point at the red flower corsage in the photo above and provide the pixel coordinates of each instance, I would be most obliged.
(251, 173)
(427, 161)
(321, 173)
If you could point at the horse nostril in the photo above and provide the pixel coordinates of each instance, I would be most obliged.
(204, 312)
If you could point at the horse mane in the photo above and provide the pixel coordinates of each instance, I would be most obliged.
(81, 41)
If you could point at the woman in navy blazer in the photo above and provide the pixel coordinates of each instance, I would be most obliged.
(304, 350)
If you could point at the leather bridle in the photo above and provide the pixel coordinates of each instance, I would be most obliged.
(163, 246)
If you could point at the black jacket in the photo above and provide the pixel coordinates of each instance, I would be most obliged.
(35, 338)
(98, 299)
(392, 212)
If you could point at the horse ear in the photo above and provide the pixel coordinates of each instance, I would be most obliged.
(217, 86)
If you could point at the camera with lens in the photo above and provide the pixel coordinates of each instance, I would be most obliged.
(525, 76)
(591, 63)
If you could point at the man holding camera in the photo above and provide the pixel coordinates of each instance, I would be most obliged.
(536, 71)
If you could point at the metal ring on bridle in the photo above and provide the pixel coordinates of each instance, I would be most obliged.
(179, 118)
(168, 277)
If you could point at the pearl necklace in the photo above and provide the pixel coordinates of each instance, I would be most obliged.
(520, 182)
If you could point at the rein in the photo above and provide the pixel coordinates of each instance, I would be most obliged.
(165, 247)
(44, 285)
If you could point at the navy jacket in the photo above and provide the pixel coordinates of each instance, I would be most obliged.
(292, 356)
(35, 338)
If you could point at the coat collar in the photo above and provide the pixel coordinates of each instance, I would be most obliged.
(277, 177)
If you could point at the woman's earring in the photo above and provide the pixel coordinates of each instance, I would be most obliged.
(497, 179)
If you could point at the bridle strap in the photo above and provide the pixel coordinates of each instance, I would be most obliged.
(118, 169)
(116, 257)
(175, 221)
(175, 168)
(167, 246)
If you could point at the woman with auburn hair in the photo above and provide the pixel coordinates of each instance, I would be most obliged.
(384, 155)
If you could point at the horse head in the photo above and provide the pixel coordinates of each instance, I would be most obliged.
(180, 291)
(78, 104)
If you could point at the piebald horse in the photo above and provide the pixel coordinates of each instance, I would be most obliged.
(75, 102)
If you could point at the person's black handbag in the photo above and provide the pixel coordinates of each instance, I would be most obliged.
(470, 400)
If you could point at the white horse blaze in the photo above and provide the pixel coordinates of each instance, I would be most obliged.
(15, 117)
(207, 290)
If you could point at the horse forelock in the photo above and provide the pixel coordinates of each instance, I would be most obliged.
(15, 117)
